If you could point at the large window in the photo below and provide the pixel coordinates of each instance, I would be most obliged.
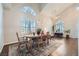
(59, 27)
(28, 10)
(28, 25)
(28, 22)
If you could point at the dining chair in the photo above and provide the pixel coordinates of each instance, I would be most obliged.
(29, 44)
(39, 42)
(48, 37)
(21, 45)
(44, 40)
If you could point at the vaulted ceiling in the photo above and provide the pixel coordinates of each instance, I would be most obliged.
(8, 6)
(55, 9)
(52, 9)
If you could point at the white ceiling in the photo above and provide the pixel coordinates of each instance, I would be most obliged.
(8, 6)
(54, 9)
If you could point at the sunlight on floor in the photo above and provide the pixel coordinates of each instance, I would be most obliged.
(61, 51)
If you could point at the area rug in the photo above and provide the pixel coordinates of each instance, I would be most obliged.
(45, 51)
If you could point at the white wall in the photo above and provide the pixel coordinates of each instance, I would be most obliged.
(78, 28)
(46, 22)
(12, 21)
(70, 17)
(1, 28)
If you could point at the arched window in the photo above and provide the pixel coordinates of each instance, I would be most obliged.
(59, 27)
(28, 22)
(29, 10)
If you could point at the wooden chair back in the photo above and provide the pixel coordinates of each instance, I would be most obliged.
(17, 36)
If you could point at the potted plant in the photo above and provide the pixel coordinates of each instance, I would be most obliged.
(67, 34)
(38, 31)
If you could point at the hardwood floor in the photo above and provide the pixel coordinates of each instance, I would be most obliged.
(68, 47)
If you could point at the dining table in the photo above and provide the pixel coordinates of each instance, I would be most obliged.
(34, 36)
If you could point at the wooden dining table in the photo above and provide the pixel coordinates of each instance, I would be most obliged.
(30, 39)
(29, 36)
(34, 36)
